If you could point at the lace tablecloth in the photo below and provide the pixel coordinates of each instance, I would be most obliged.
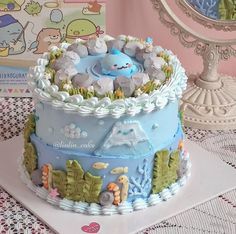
(215, 216)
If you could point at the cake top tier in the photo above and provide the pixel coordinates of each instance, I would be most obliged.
(108, 76)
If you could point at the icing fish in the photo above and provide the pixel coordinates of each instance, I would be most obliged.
(119, 170)
(100, 165)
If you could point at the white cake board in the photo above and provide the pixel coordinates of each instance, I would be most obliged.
(210, 177)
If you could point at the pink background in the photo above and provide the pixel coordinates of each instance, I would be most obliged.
(139, 18)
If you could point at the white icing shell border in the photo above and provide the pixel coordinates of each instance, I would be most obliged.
(96, 209)
(43, 91)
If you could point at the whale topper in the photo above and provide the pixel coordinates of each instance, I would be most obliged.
(117, 63)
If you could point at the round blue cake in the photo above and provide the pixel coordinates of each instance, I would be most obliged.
(106, 135)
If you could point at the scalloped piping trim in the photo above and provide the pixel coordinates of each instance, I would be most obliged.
(96, 209)
(158, 99)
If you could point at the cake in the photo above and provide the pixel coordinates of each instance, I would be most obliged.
(106, 135)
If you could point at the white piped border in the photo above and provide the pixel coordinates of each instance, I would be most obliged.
(43, 91)
(96, 209)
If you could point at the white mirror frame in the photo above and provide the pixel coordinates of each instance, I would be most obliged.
(210, 100)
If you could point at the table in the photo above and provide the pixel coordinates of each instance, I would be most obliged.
(215, 216)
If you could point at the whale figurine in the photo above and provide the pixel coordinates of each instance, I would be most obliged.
(117, 63)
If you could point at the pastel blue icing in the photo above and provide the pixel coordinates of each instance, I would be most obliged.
(117, 63)
(57, 158)
(95, 135)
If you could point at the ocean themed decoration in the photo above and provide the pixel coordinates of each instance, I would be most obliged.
(59, 180)
(47, 176)
(62, 63)
(103, 86)
(119, 170)
(117, 63)
(154, 62)
(141, 186)
(53, 192)
(82, 186)
(74, 132)
(124, 180)
(106, 198)
(125, 133)
(115, 44)
(148, 45)
(96, 46)
(81, 28)
(132, 46)
(30, 155)
(78, 48)
(33, 8)
(113, 187)
(125, 84)
(140, 79)
(36, 177)
(82, 80)
(100, 165)
(165, 169)
(64, 75)
(73, 56)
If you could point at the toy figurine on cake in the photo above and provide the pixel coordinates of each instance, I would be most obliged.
(114, 139)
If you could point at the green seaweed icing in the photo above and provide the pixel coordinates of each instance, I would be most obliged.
(30, 155)
(165, 170)
(92, 187)
(75, 181)
(227, 10)
(30, 158)
(59, 179)
(82, 186)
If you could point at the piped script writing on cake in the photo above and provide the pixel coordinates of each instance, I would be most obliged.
(114, 141)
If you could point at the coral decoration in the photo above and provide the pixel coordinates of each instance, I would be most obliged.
(47, 176)
(165, 170)
(141, 185)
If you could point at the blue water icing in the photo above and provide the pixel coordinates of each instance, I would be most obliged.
(126, 134)
(117, 63)
(166, 120)
(208, 8)
(139, 168)
(92, 66)
(141, 185)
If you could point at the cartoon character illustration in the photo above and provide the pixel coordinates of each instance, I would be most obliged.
(81, 28)
(93, 8)
(11, 5)
(46, 38)
(117, 63)
(12, 39)
(33, 8)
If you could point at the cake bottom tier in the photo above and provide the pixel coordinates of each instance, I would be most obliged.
(104, 185)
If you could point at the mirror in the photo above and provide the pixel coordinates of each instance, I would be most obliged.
(210, 99)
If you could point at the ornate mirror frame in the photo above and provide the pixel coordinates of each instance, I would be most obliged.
(210, 100)
(205, 21)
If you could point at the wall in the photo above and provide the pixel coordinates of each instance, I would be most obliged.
(139, 18)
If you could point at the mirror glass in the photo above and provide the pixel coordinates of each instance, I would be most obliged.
(215, 9)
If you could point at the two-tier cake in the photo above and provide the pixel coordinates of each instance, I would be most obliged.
(106, 134)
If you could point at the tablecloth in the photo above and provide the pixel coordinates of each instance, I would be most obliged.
(215, 216)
